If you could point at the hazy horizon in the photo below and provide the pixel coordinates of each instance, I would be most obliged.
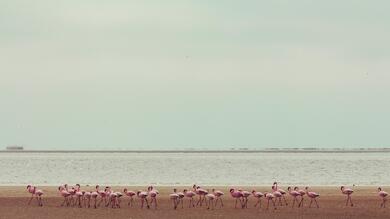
(194, 74)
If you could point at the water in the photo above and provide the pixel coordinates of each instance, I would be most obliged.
(200, 168)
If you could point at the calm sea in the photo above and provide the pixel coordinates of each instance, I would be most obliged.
(190, 168)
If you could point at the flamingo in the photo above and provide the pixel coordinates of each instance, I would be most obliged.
(237, 195)
(383, 195)
(118, 199)
(87, 197)
(144, 198)
(258, 196)
(112, 199)
(245, 195)
(64, 194)
(190, 195)
(108, 194)
(72, 192)
(278, 195)
(180, 199)
(35, 192)
(218, 196)
(270, 197)
(94, 195)
(174, 197)
(294, 193)
(302, 194)
(78, 195)
(312, 196)
(130, 194)
(210, 198)
(202, 195)
(153, 196)
(103, 195)
(281, 192)
(348, 192)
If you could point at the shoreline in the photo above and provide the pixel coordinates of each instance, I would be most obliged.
(13, 204)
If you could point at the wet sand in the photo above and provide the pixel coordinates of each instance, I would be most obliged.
(13, 204)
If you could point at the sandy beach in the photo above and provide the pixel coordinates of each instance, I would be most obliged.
(13, 204)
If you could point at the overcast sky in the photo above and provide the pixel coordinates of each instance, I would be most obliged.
(203, 74)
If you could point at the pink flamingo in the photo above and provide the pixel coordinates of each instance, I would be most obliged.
(130, 194)
(94, 196)
(278, 195)
(35, 192)
(103, 195)
(64, 194)
(218, 197)
(153, 196)
(236, 195)
(175, 198)
(202, 195)
(294, 193)
(180, 199)
(270, 197)
(210, 198)
(383, 195)
(258, 196)
(112, 199)
(87, 197)
(72, 192)
(190, 195)
(281, 191)
(245, 195)
(144, 198)
(118, 199)
(302, 194)
(348, 192)
(312, 196)
(78, 195)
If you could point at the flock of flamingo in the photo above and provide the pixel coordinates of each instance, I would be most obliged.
(197, 196)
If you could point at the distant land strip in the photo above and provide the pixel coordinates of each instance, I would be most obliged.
(267, 150)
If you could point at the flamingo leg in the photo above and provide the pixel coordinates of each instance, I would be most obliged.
(268, 204)
(174, 204)
(198, 202)
(285, 201)
(300, 203)
(350, 200)
(316, 203)
(274, 204)
(311, 201)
